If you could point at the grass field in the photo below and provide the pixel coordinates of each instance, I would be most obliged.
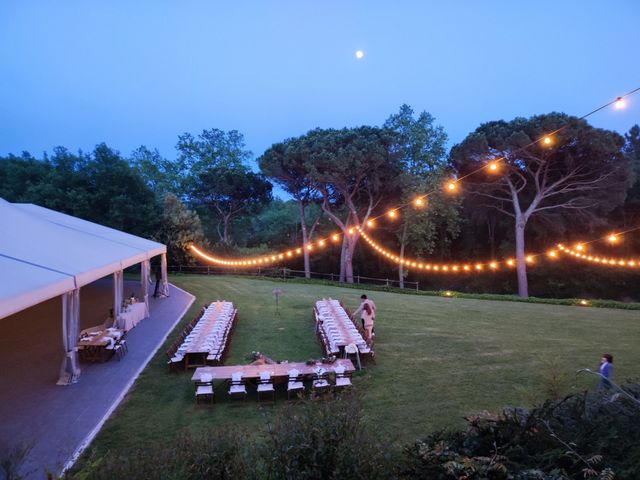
(438, 359)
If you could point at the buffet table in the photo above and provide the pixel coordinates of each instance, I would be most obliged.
(131, 316)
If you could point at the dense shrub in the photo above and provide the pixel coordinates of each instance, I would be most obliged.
(314, 439)
(325, 440)
(589, 435)
(219, 453)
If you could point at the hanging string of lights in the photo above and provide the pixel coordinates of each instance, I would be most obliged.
(599, 260)
(442, 267)
(452, 186)
(580, 251)
(474, 266)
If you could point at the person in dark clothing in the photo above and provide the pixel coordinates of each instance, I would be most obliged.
(606, 371)
(158, 275)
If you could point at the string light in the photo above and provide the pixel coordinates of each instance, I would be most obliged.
(547, 140)
(335, 237)
(620, 103)
(371, 223)
(579, 247)
(452, 187)
(418, 202)
(493, 166)
(392, 214)
(613, 262)
(612, 238)
(445, 268)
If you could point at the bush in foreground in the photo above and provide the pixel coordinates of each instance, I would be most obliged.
(590, 435)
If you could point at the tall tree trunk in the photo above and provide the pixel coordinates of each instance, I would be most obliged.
(348, 258)
(226, 229)
(401, 265)
(342, 258)
(521, 264)
(305, 240)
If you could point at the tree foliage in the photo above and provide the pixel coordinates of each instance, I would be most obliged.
(179, 229)
(581, 176)
(353, 169)
(218, 178)
(100, 187)
(420, 146)
(285, 163)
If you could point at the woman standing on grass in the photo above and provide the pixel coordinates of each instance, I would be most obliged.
(367, 320)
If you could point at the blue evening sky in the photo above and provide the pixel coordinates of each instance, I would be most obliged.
(76, 73)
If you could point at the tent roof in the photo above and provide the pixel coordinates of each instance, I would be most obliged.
(44, 253)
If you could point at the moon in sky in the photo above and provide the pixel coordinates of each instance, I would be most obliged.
(359, 54)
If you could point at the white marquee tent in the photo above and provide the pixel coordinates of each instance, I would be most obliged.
(44, 254)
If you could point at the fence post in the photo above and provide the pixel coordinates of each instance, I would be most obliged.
(332, 276)
(180, 268)
(208, 270)
(417, 286)
(387, 282)
(358, 279)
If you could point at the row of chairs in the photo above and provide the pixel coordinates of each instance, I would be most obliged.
(320, 384)
(176, 360)
(117, 347)
(351, 351)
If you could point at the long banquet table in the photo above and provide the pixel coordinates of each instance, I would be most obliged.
(218, 317)
(337, 325)
(276, 370)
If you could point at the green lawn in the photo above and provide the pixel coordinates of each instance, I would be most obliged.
(438, 359)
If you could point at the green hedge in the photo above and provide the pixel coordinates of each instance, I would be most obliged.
(597, 303)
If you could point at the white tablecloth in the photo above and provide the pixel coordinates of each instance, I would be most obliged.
(132, 316)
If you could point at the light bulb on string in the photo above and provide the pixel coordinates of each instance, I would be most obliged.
(493, 166)
(547, 140)
(371, 223)
(335, 237)
(579, 247)
(612, 239)
(451, 186)
(418, 202)
(392, 214)
(620, 103)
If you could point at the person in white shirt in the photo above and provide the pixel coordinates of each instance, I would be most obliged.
(367, 311)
